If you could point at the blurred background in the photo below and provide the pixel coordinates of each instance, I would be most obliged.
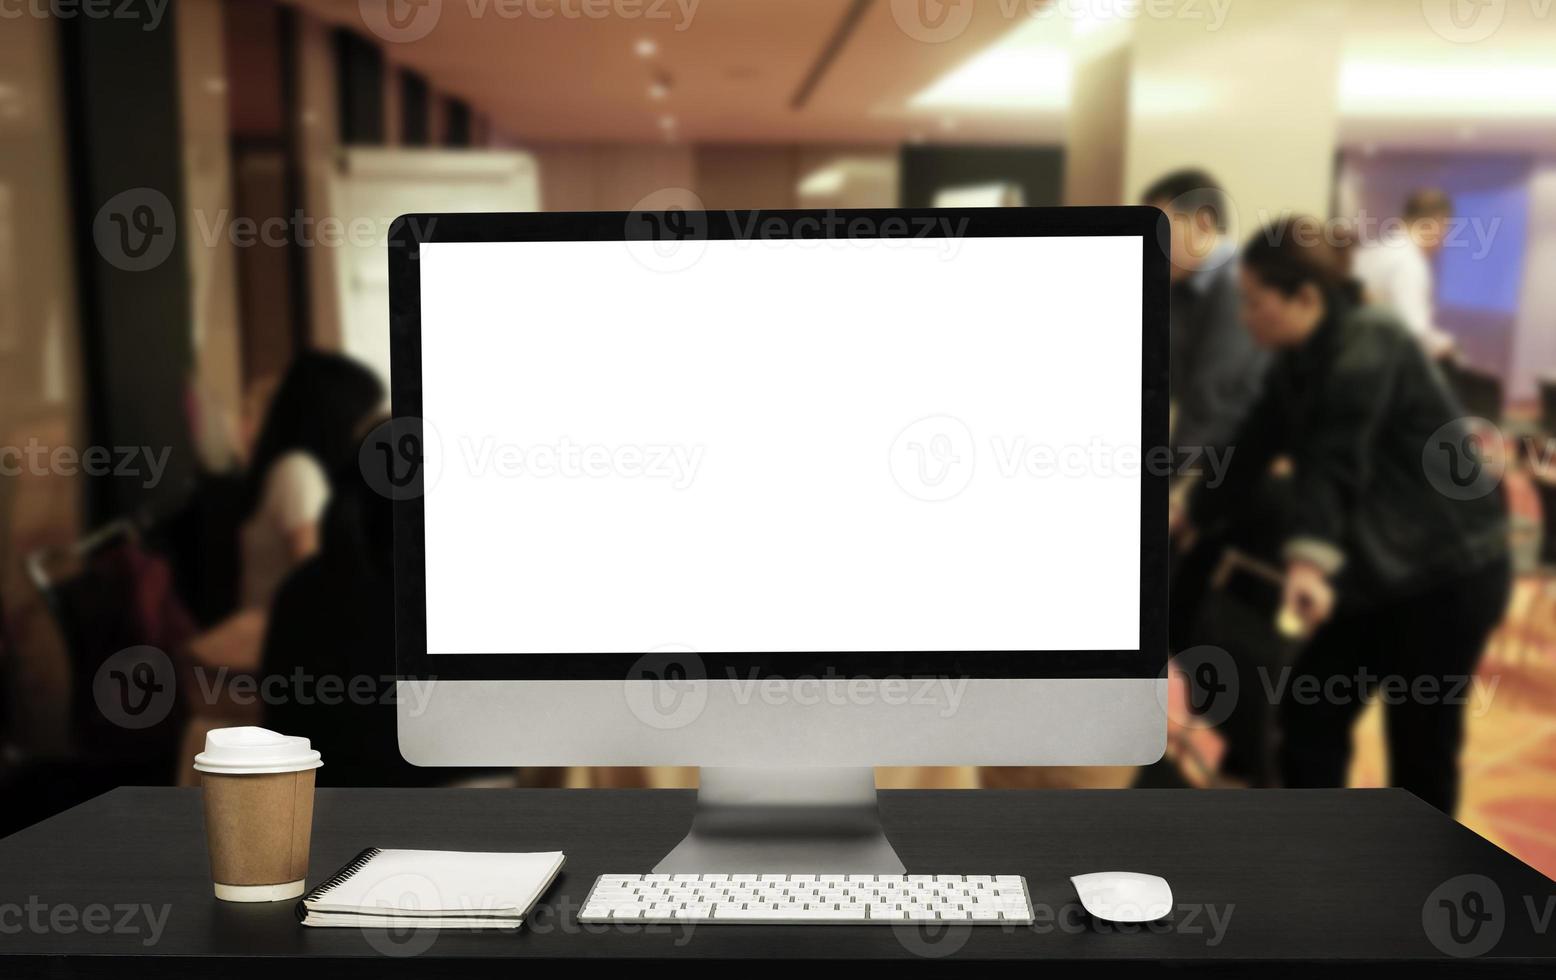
(193, 201)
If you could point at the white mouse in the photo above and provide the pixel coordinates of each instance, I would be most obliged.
(1124, 896)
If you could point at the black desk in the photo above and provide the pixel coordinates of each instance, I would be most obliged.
(1268, 881)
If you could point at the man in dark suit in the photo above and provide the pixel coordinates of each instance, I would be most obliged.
(1215, 369)
(1215, 376)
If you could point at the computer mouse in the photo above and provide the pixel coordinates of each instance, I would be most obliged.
(1124, 896)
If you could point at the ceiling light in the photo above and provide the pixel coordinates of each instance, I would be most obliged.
(823, 183)
(1089, 18)
(1027, 69)
(658, 91)
(666, 122)
(646, 47)
(1447, 89)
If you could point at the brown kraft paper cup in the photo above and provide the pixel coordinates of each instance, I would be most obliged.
(258, 827)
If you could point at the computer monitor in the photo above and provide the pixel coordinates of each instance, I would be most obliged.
(784, 495)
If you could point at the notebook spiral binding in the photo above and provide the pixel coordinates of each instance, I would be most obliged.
(342, 876)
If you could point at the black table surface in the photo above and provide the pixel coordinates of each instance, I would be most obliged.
(1281, 881)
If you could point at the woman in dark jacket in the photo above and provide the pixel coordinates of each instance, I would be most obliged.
(1395, 532)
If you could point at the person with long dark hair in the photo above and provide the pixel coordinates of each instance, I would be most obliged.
(1396, 564)
(333, 617)
(311, 428)
(330, 641)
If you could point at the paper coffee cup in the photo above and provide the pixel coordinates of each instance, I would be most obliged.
(258, 791)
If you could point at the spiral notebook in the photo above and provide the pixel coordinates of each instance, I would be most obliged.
(400, 889)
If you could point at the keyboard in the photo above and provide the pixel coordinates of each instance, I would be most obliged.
(784, 899)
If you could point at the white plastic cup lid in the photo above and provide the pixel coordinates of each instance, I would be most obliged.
(250, 750)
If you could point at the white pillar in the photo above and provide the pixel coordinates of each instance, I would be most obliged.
(1252, 97)
(1534, 332)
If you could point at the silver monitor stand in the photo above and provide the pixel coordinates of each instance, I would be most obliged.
(784, 821)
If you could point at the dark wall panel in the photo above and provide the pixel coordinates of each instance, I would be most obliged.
(415, 110)
(456, 123)
(359, 75)
(1038, 170)
(128, 203)
(267, 185)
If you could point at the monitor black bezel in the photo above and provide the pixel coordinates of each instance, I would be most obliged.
(409, 232)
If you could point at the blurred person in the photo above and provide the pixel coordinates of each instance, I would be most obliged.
(1214, 368)
(1215, 371)
(309, 429)
(1391, 571)
(1396, 270)
(332, 622)
(329, 650)
(257, 396)
(1214, 376)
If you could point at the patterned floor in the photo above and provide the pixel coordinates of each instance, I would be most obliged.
(1510, 753)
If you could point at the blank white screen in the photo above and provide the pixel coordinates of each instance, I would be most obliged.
(730, 457)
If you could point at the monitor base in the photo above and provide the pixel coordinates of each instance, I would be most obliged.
(784, 821)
